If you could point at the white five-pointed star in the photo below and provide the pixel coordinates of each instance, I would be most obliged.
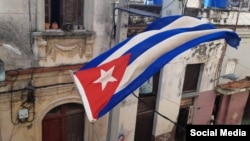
(106, 76)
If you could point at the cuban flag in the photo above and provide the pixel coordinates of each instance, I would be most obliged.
(113, 75)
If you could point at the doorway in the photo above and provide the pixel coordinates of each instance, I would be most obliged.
(182, 122)
(64, 123)
(184, 118)
(146, 109)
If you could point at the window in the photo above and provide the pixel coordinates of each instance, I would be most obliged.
(2, 71)
(191, 79)
(230, 67)
(64, 12)
(151, 86)
(245, 5)
(236, 4)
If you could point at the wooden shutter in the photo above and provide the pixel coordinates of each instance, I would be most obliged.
(72, 11)
(47, 11)
(64, 123)
(186, 102)
(53, 130)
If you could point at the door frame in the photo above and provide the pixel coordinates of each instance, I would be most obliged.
(46, 107)
(62, 114)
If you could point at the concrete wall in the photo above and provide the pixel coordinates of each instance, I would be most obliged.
(14, 31)
(102, 24)
(172, 7)
(235, 61)
(204, 107)
(231, 110)
(240, 55)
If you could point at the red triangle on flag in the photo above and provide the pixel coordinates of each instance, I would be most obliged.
(100, 83)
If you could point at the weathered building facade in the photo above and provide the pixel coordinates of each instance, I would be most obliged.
(233, 90)
(216, 102)
(38, 100)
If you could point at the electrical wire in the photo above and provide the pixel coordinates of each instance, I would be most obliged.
(71, 83)
(31, 50)
(62, 84)
(44, 86)
(11, 100)
(184, 108)
(165, 117)
(13, 132)
(31, 106)
(112, 34)
(134, 95)
(113, 31)
(94, 130)
(187, 108)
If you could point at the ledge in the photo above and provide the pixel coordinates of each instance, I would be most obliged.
(61, 33)
(234, 87)
(231, 92)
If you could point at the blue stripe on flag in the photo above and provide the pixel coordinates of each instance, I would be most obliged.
(231, 38)
(146, 44)
(157, 24)
(150, 42)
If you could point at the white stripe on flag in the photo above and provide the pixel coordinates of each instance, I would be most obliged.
(149, 56)
(182, 22)
(83, 97)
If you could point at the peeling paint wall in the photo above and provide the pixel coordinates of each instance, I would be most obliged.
(241, 55)
(230, 110)
(171, 83)
(15, 27)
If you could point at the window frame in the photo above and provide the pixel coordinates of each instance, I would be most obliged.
(87, 18)
(195, 92)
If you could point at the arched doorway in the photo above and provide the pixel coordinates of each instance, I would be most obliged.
(64, 123)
